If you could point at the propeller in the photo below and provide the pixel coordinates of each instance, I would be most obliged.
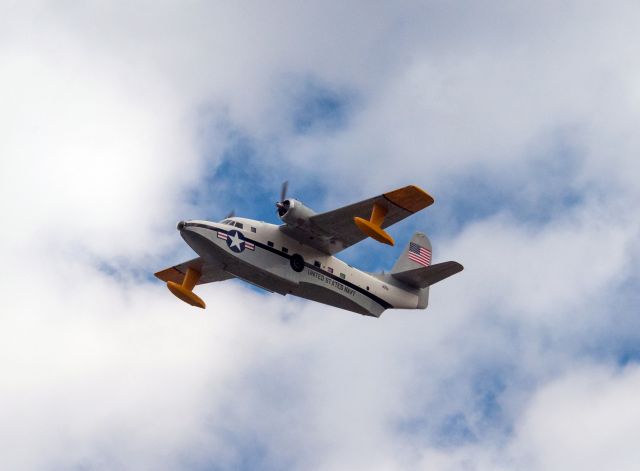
(283, 190)
(283, 204)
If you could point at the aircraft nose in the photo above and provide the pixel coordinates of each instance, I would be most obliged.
(181, 225)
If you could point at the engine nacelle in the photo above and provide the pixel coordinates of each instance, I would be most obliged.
(294, 213)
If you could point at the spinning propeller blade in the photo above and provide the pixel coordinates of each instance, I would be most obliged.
(281, 208)
(283, 190)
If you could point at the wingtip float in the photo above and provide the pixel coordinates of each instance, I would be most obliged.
(373, 227)
(184, 291)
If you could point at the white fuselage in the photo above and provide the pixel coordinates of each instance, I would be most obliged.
(263, 255)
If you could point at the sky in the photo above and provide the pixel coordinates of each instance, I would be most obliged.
(120, 118)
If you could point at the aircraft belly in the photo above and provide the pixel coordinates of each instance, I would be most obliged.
(270, 269)
(326, 290)
(325, 295)
(261, 278)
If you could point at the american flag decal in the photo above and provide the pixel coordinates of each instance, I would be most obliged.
(222, 235)
(419, 254)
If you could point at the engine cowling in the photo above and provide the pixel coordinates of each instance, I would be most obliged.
(294, 213)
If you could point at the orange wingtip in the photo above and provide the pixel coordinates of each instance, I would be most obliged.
(411, 198)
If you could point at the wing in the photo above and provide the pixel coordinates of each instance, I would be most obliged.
(209, 273)
(333, 231)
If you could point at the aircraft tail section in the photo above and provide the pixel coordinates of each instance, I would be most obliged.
(415, 255)
(414, 267)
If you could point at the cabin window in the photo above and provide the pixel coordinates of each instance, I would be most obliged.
(343, 276)
(269, 243)
(317, 263)
(253, 229)
(239, 225)
(285, 250)
(330, 270)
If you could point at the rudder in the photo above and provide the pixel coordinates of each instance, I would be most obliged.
(416, 254)
(414, 267)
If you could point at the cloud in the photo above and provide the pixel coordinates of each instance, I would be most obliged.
(119, 119)
(585, 420)
(87, 154)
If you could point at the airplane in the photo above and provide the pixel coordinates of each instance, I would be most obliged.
(298, 256)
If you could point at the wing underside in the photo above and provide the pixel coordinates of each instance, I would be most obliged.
(208, 272)
(333, 231)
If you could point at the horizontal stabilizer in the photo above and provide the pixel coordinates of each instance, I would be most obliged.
(427, 276)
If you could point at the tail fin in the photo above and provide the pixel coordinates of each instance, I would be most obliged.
(414, 267)
(416, 254)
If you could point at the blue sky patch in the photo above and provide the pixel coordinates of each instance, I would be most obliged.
(319, 108)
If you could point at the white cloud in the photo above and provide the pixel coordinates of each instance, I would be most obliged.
(545, 271)
(500, 88)
(586, 420)
(87, 156)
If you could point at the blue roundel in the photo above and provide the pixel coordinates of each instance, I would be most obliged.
(235, 241)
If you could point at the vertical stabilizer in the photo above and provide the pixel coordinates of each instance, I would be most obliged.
(415, 255)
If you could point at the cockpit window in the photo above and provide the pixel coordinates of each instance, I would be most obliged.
(232, 223)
